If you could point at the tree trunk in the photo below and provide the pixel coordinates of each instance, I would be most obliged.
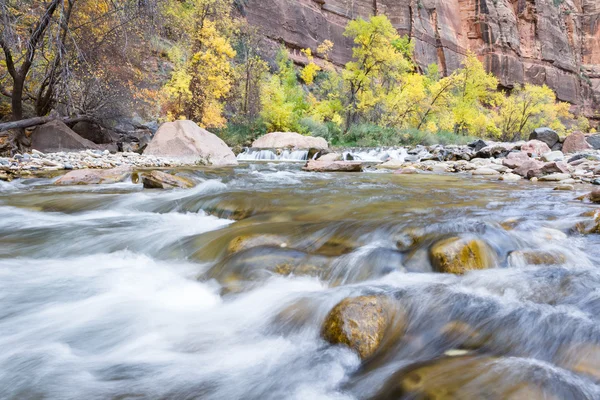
(17, 98)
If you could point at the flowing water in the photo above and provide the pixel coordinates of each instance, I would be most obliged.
(219, 292)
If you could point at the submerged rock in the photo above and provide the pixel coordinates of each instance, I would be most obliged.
(485, 171)
(95, 176)
(332, 166)
(185, 140)
(245, 242)
(162, 180)
(458, 255)
(522, 258)
(470, 377)
(359, 323)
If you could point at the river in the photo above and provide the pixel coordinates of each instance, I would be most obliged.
(116, 292)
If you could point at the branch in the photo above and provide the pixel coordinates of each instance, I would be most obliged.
(10, 65)
(27, 123)
(36, 36)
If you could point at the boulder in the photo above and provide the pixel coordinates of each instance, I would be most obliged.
(95, 176)
(545, 135)
(162, 180)
(55, 136)
(360, 323)
(458, 255)
(184, 140)
(594, 141)
(529, 169)
(555, 167)
(279, 140)
(330, 157)
(391, 164)
(494, 150)
(535, 148)
(477, 145)
(565, 187)
(574, 143)
(515, 159)
(332, 166)
(95, 133)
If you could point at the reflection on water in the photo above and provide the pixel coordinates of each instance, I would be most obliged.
(220, 292)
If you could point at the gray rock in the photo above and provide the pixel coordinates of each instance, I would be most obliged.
(594, 141)
(553, 156)
(555, 177)
(545, 135)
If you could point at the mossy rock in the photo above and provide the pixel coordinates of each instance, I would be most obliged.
(245, 242)
(458, 255)
(470, 377)
(359, 323)
(591, 223)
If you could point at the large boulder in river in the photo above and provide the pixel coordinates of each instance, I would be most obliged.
(95, 176)
(55, 136)
(530, 168)
(360, 323)
(458, 255)
(545, 135)
(332, 166)
(280, 140)
(594, 141)
(574, 143)
(515, 159)
(184, 140)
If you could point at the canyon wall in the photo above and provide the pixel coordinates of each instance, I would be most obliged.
(556, 42)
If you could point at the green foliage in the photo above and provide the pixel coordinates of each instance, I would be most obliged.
(283, 100)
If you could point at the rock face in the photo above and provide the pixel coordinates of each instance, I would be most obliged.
(55, 136)
(539, 41)
(185, 140)
(280, 140)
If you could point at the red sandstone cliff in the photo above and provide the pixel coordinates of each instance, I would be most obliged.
(556, 42)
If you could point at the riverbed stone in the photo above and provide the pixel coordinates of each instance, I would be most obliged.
(595, 195)
(564, 187)
(485, 172)
(293, 140)
(94, 176)
(330, 157)
(457, 255)
(553, 156)
(245, 242)
(332, 166)
(359, 323)
(535, 148)
(555, 167)
(546, 135)
(185, 140)
(522, 258)
(575, 142)
(510, 177)
(515, 159)
(554, 177)
(529, 169)
(470, 376)
(163, 180)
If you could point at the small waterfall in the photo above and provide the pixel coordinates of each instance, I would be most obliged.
(376, 155)
(251, 154)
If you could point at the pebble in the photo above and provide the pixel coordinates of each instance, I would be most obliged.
(564, 186)
(554, 177)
